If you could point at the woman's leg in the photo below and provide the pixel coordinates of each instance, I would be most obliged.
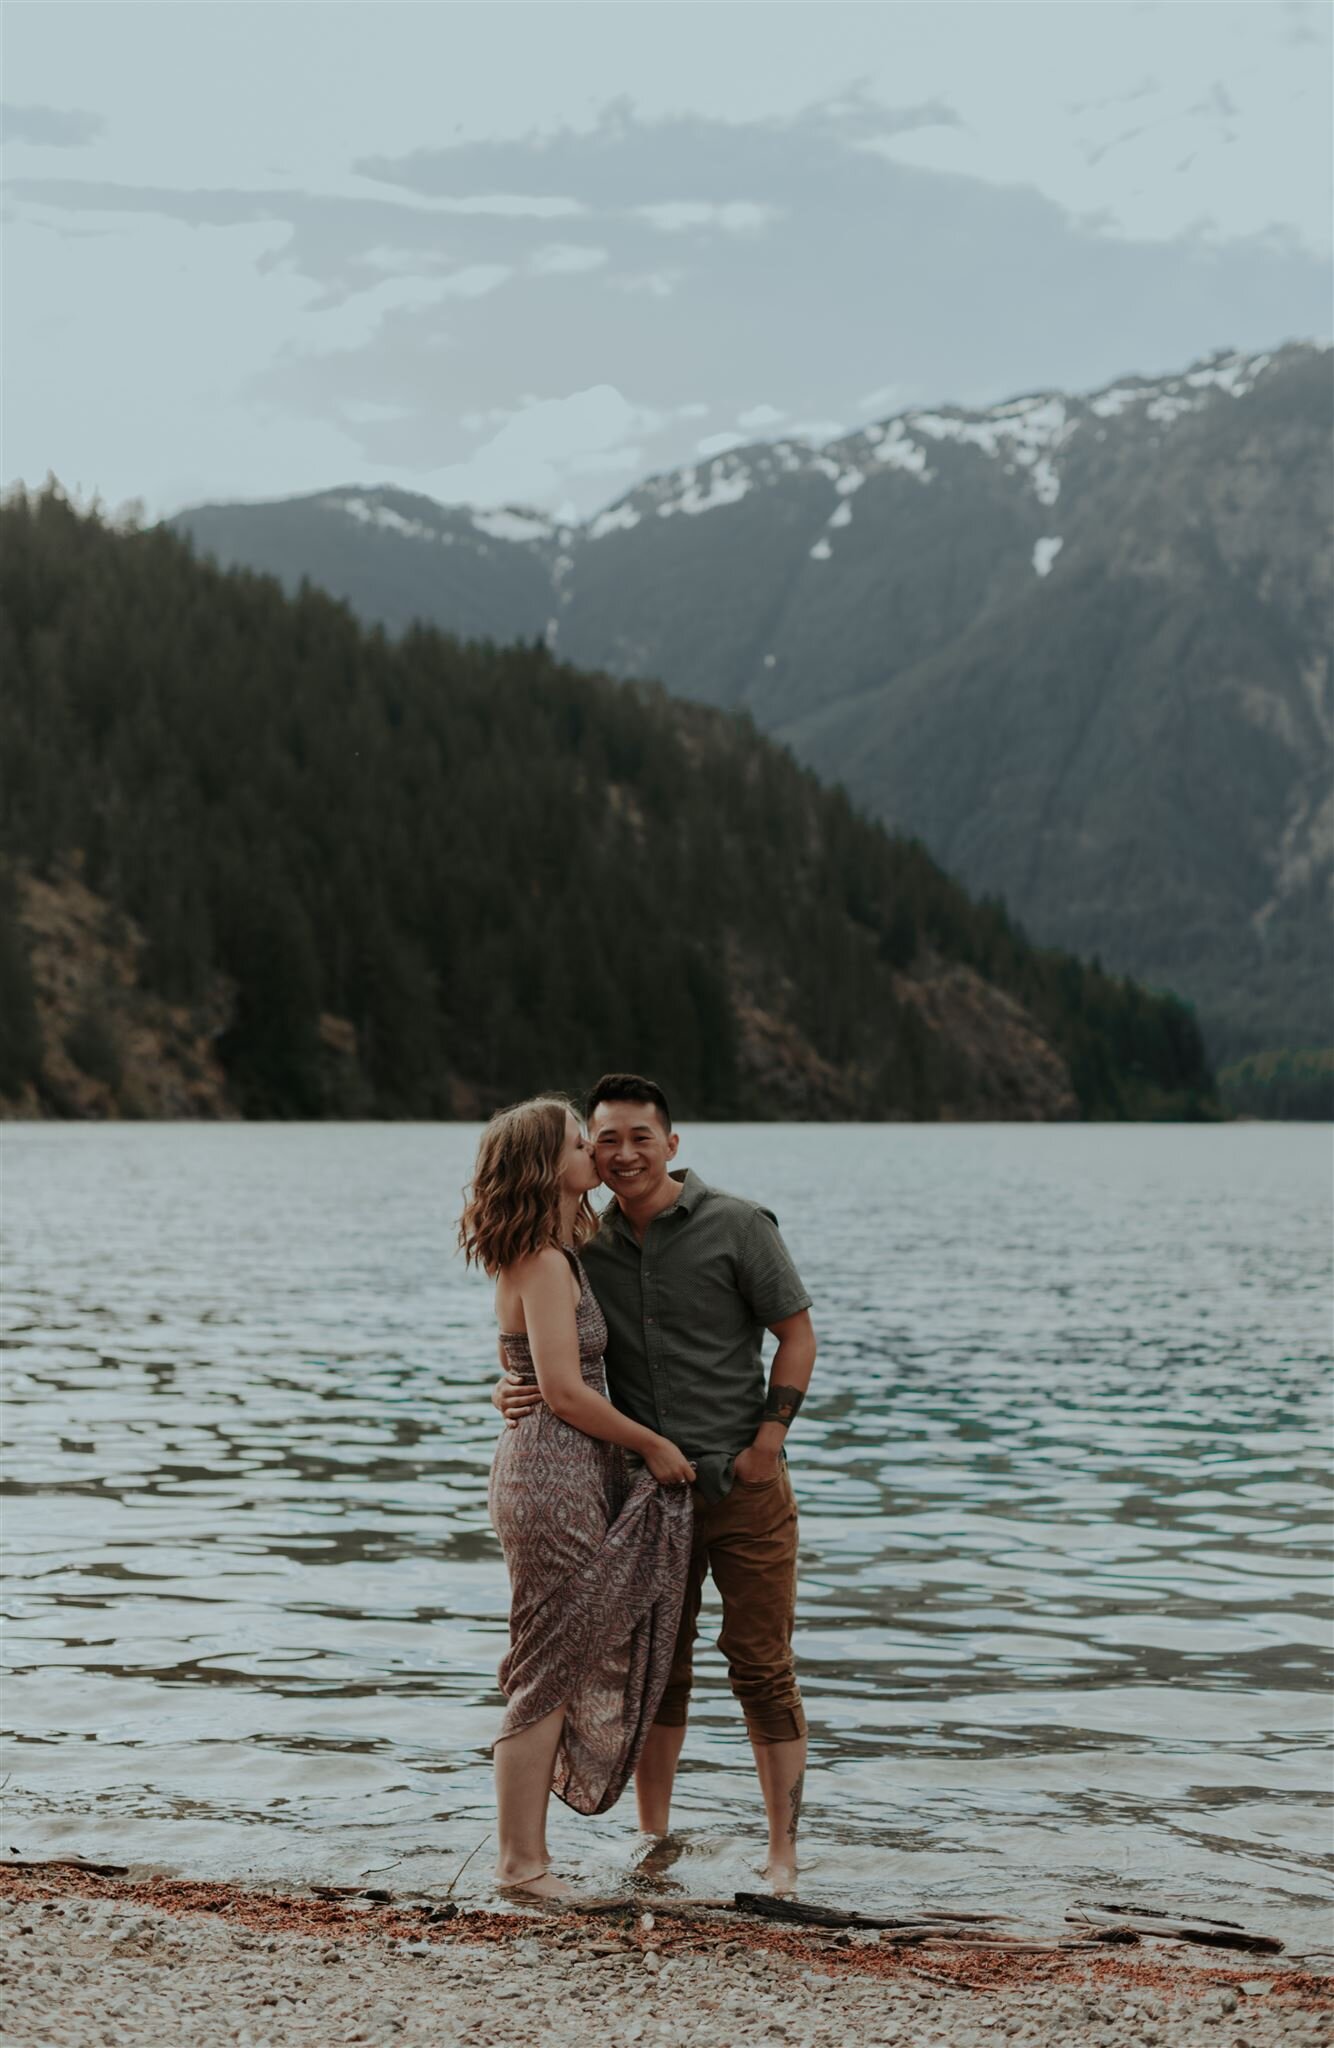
(523, 1766)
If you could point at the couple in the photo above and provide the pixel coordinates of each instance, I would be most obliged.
(610, 1511)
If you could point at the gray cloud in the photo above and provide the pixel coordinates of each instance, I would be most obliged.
(1217, 102)
(50, 127)
(1300, 22)
(691, 270)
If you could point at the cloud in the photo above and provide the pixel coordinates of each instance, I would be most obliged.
(1300, 22)
(457, 345)
(817, 430)
(475, 281)
(757, 416)
(1219, 102)
(659, 284)
(49, 127)
(883, 399)
(596, 432)
(567, 259)
(733, 216)
(1146, 87)
(1094, 152)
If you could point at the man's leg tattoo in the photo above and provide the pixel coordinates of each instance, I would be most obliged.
(794, 1802)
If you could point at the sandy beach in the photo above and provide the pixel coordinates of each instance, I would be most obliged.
(96, 1962)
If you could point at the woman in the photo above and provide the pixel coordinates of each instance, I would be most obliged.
(597, 1561)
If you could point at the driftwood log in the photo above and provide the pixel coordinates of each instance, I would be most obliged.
(67, 1863)
(1152, 1921)
(765, 1907)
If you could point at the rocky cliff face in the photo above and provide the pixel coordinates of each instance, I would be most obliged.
(110, 1049)
(1078, 644)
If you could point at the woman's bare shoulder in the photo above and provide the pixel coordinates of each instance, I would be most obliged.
(535, 1266)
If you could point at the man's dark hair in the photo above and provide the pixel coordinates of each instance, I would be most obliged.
(628, 1088)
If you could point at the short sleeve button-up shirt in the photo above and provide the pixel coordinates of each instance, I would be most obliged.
(686, 1313)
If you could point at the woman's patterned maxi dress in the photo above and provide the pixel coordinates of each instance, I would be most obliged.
(597, 1564)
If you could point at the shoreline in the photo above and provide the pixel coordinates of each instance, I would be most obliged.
(148, 1959)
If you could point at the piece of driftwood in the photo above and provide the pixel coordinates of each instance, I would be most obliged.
(1159, 1913)
(933, 1977)
(767, 1907)
(987, 1937)
(1014, 1944)
(69, 1863)
(1202, 1933)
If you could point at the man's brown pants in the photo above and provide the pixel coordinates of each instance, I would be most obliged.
(748, 1540)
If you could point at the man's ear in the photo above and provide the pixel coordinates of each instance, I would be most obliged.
(673, 1140)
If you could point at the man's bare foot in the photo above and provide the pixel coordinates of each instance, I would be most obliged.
(541, 1885)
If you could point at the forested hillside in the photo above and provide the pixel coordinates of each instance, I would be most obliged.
(421, 877)
(1079, 645)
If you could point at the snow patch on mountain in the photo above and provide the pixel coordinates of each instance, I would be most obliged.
(385, 517)
(1167, 399)
(1115, 400)
(507, 525)
(897, 450)
(618, 519)
(1028, 436)
(1045, 552)
(822, 551)
(721, 488)
(1026, 431)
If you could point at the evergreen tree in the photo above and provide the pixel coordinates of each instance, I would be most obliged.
(505, 874)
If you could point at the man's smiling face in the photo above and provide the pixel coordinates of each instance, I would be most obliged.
(632, 1148)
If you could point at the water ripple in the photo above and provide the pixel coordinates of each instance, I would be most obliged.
(1064, 1615)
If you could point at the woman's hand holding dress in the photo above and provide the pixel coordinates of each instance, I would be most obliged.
(669, 1466)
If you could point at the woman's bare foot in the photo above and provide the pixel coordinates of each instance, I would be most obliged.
(780, 1874)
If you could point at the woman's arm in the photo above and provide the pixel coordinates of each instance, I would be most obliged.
(543, 1285)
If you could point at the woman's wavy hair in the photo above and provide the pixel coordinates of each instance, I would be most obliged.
(512, 1207)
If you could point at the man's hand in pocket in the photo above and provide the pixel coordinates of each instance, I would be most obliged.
(756, 1465)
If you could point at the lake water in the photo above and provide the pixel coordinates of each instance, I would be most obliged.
(1063, 1474)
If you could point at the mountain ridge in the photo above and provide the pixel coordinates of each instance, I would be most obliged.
(971, 617)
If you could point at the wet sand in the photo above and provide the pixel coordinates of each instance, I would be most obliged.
(93, 1960)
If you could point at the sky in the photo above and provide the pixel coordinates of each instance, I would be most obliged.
(527, 252)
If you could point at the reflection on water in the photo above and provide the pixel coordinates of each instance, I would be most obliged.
(1064, 1598)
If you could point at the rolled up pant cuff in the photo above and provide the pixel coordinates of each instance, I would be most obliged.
(773, 1724)
(783, 1724)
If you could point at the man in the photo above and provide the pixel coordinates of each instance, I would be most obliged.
(689, 1278)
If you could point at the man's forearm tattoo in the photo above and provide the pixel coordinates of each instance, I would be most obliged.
(794, 1804)
(782, 1403)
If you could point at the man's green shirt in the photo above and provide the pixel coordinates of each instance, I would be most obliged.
(686, 1315)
